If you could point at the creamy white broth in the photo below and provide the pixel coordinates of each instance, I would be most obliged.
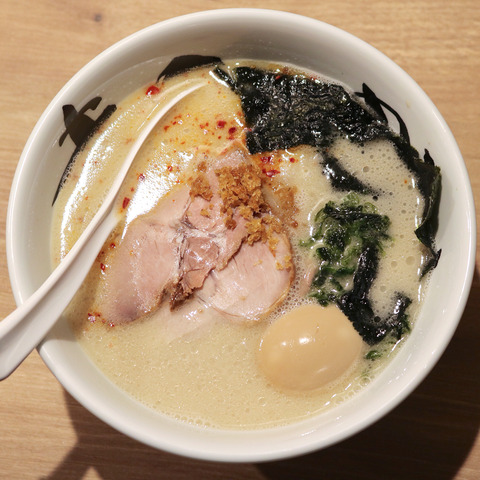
(193, 364)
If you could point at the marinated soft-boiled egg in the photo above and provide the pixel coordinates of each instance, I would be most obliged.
(308, 348)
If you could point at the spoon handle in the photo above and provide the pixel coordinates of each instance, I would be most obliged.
(24, 328)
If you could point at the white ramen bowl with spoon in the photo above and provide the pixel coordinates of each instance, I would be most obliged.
(281, 38)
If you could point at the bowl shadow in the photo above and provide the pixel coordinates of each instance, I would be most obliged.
(428, 436)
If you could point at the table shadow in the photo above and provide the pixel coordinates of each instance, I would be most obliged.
(428, 436)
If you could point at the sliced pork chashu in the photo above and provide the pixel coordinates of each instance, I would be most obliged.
(253, 283)
(145, 263)
(208, 235)
(209, 239)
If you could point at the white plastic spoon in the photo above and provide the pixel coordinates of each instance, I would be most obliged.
(25, 327)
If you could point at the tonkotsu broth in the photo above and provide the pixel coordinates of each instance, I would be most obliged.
(194, 364)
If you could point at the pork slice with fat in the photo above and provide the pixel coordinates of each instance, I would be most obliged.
(253, 283)
(198, 232)
(145, 262)
(208, 242)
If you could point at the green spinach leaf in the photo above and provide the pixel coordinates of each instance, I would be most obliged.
(348, 240)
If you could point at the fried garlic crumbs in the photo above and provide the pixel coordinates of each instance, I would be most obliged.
(201, 187)
(264, 229)
(286, 198)
(286, 265)
(240, 189)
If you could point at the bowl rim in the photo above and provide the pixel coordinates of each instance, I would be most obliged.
(256, 453)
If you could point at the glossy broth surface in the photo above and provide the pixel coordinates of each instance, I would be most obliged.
(192, 363)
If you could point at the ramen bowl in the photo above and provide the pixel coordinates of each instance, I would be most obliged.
(265, 35)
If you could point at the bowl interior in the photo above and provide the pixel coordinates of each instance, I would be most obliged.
(280, 37)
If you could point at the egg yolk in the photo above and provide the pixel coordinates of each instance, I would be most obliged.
(308, 348)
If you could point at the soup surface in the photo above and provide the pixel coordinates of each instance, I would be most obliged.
(193, 362)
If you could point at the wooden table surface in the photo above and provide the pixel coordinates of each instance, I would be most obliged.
(434, 434)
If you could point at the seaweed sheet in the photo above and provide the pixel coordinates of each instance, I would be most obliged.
(286, 110)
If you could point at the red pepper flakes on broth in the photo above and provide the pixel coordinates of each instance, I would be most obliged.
(92, 316)
(152, 90)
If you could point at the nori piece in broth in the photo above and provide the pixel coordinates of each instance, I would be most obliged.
(430, 184)
(348, 240)
(341, 179)
(284, 111)
(80, 128)
(357, 307)
(183, 63)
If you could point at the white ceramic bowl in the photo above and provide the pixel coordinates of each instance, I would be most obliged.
(262, 34)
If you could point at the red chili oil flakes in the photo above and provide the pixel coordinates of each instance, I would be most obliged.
(93, 316)
(169, 168)
(140, 177)
(113, 245)
(269, 163)
(177, 119)
(270, 173)
(221, 124)
(292, 159)
(152, 90)
(102, 267)
(125, 202)
(100, 256)
(231, 133)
